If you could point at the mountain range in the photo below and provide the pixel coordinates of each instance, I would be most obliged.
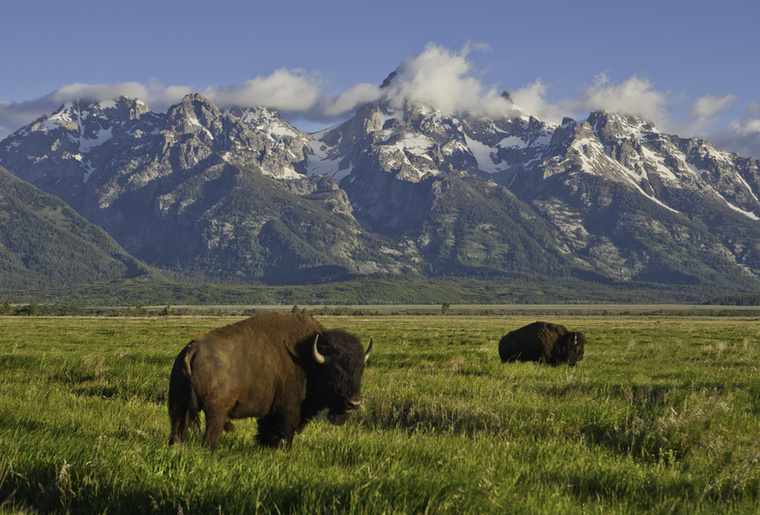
(239, 196)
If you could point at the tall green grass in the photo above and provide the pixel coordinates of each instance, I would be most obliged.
(661, 416)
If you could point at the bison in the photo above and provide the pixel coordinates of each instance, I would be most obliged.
(282, 368)
(543, 342)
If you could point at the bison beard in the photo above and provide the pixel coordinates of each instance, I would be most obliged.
(280, 368)
(543, 342)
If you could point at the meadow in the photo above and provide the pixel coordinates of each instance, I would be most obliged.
(661, 416)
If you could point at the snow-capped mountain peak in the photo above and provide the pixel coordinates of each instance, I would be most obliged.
(408, 187)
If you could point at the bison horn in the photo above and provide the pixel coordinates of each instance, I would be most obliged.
(319, 358)
(368, 352)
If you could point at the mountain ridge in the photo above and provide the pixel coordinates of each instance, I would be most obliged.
(45, 243)
(240, 196)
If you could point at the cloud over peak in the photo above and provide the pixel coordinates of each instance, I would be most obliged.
(635, 96)
(443, 78)
(285, 90)
(439, 76)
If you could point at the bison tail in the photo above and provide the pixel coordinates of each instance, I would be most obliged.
(184, 409)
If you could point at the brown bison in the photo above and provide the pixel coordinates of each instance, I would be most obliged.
(543, 342)
(281, 368)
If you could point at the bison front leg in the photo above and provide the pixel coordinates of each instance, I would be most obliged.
(276, 430)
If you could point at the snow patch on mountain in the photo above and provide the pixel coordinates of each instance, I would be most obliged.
(322, 159)
(483, 154)
(415, 144)
(100, 137)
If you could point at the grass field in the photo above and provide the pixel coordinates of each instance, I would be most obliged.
(661, 416)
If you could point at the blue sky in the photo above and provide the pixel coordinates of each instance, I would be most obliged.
(689, 66)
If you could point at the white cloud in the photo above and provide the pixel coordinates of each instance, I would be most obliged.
(161, 97)
(639, 97)
(17, 114)
(351, 99)
(532, 100)
(436, 76)
(443, 78)
(635, 96)
(702, 114)
(439, 76)
(285, 90)
(14, 115)
(741, 136)
(708, 106)
(97, 92)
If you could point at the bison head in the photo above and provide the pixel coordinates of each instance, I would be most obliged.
(574, 345)
(340, 361)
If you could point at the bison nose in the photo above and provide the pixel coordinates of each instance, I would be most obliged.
(354, 403)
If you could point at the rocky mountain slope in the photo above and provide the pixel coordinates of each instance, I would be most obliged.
(615, 198)
(45, 243)
(239, 195)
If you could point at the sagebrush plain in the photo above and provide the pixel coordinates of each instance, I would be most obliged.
(661, 416)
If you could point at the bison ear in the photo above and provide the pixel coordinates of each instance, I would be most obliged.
(368, 352)
(319, 358)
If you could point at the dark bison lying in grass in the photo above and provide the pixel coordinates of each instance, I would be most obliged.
(281, 368)
(543, 342)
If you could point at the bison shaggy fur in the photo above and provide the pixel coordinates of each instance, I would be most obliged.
(281, 368)
(543, 342)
